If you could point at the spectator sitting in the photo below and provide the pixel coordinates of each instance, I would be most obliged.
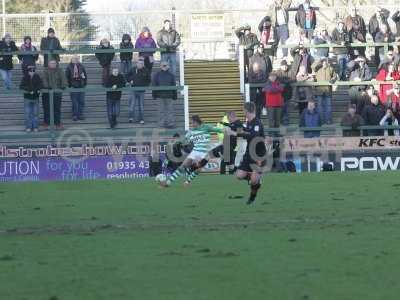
(273, 100)
(310, 117)
(341, 37)
(166, 107)
(396, 20)
(365, 98)
(50, 43)
(268, 35)
(279, 12)
(393, 97)
(105, 59)
(126, 57)
(248, 40)
(324, 72)
(355, 26)
(353, 120)
(27, 60)
(31, 84)
(284, 77)
(306, 18)
(77, 79)
(138, 77)
(372, 115)
(259, 69)
(320, 38)
(115, 81)
(169, 39)
(6, 62)
(384, 35)
(53, 78)
(145, 41)
(390, 120)
(359, 71)
(386, 73)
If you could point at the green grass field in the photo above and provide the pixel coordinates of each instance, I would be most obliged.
(320, 236)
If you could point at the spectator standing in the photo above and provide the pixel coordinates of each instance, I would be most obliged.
(384, 35)
(169, 39)
(268, 36)
(359, 71)
(324, 72)
(386, 72)
(320, 38)
(306, 18)
(284, 77)
(377, 20)
(355, 26)
(273, 100)
(27, 60)
(248, 40)
(145, 41)
(310, 117)
(341, 37)
(259, 69)
(50, 43)
(31, 84)
(372, 115)
(353, 120)
(279, 12)
(396, 20)
(115, 81)
(126, 57)
(77, 79)
(6, 62)
(139, 76)
(105, 59)
(365, 98)
(166, 108)
(390, 120)
(53, 78)
(393, 99)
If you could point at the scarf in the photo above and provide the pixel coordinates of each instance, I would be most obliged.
(76, 72)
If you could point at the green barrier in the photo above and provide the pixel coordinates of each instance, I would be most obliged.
(84, 51)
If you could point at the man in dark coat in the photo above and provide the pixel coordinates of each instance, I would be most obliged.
(115, 81)
(284, 77)
(126, 57)
(355, 26)
(168, 38)
(341, 36)
(105, 59)
(27, 59)
(396, 20)
(6, 63)
(353, 120)
(50, 43)
(372, 115)
(306, 18)
(248, 40)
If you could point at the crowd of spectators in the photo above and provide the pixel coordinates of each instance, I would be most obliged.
(130, 72)
(344, 62)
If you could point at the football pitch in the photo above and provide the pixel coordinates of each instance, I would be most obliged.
(311, 236)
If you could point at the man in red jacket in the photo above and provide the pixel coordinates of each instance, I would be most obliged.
(273, 100)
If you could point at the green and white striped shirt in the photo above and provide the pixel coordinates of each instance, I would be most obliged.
(201, 137)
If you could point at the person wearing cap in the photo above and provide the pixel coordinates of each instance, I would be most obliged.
(27, 59)
(310, 117)
(126, 57)
(352, 119)
(6, 62)
(273, 100)
(53, 79)
(341, 36)
(145, 41)
(268, 36)
(115, 81)
(31, 84)
(169, 39)
(105, 59)
(306, 18)
(50, 43)
(324, 72)
(166, 108)
(279, 12)
(139, 76)
(284, 77)
(77, 79)
(248, 40)
(355, 26)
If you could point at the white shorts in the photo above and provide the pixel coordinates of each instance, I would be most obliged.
(197, 155)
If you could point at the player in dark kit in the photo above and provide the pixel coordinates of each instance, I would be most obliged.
(254, 160)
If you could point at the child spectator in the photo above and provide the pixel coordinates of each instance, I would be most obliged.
(115, 81)
(138, 77)
(27, 59)
(77, 79)
(50, 43)
(169, 39)
(310, 117)
(31, 84)
(273, 100)
(353, 120)
(126, 57)
(6, 62)
(105, 59)
(145, 41)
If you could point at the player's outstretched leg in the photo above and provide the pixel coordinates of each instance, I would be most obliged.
(255, 185)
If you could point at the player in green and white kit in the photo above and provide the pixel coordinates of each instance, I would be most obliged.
(200, 137)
